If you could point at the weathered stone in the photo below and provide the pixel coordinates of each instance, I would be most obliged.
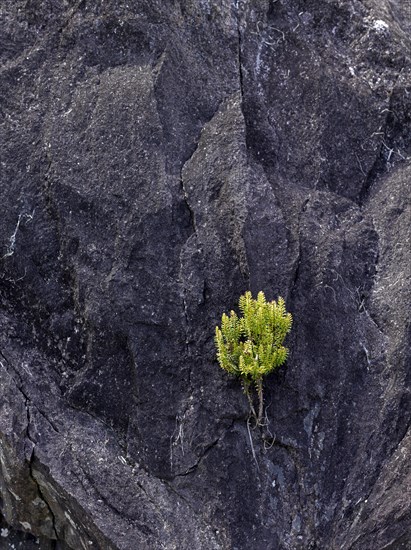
(158, 159)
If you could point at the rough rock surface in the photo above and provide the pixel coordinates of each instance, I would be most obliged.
(158, 158)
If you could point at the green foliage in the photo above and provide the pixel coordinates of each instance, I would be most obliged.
(251, 346)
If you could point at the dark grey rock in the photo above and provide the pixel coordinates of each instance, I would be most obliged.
(158, 159)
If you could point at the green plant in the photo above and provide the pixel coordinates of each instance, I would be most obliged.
(251, 346)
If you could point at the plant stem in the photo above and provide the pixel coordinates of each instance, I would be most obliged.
(260, 400)
(246, 386)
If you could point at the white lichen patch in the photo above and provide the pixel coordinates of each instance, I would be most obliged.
(4, 533)
(39, 502)
(70, 519)
(380, 26)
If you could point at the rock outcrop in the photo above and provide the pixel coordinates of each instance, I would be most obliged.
(158, 159)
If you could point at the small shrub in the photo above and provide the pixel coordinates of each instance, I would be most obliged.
(251, 346)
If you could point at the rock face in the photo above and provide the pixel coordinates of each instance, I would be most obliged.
(157, 160)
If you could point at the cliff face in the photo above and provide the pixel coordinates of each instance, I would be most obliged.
(158, 159)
